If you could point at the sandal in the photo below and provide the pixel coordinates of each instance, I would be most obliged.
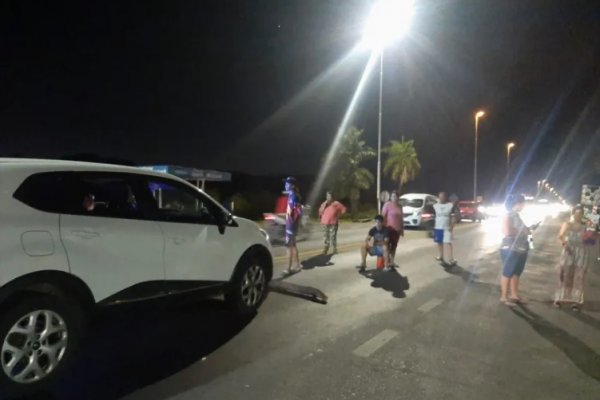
(508, 303)
(556, 304)
(296, 269)
(518, 300)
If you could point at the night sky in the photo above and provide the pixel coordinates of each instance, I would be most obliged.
(234, 85)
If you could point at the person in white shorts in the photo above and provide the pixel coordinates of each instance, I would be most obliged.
(444, 226)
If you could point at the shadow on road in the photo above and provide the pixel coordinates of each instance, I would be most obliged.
(391, 281)
(321, 260)
(578, 352)
(128, 347)
(585, 318)
(467, 276)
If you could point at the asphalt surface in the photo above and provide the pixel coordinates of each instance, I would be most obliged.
(422, 332)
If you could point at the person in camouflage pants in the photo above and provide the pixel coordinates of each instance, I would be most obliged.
(330, 212)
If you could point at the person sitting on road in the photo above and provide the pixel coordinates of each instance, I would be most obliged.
(376, 244)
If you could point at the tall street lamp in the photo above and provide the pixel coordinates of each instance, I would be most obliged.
(508, 147)
(389, 21)
(478, 115)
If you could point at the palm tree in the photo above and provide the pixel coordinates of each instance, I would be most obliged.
(347, 177)
(402, 163)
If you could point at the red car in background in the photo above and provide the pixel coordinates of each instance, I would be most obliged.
(471, 210)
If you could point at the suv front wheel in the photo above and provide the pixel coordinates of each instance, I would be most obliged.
(38, 337)
(248, 288)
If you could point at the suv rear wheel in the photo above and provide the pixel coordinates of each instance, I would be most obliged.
(38, 338)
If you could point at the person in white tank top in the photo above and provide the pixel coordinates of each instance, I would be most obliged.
(444, 226)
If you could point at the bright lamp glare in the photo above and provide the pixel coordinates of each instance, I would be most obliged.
(389, 20)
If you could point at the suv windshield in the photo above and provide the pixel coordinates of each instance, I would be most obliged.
(415, 203)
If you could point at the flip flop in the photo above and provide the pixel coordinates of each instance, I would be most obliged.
(518, 300)
(508, 303)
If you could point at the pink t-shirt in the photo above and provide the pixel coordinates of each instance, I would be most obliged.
(331, 213)
(394, 218)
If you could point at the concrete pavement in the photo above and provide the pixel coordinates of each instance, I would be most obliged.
(424, 333)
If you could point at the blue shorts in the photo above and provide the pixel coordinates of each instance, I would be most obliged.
(290, 235)
(376, 251)
(441, 236)
(513, 262)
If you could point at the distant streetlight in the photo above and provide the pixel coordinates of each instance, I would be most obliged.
(389, 20)
(508, 147)
(478, 115)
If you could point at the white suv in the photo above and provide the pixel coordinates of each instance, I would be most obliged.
(76, 235)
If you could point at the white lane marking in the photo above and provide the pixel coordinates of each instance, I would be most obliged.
(372, 345)
(430, 305)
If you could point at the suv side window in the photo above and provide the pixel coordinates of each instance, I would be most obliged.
(176, 202)
(46, 191)
(103, 195)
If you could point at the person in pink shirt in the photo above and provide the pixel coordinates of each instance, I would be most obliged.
(330, 212)
(394, 221)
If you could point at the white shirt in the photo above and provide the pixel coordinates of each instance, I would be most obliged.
(442, 215)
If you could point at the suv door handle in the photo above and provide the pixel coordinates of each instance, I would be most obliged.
(85, 234)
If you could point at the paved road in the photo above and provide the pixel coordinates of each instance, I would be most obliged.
(422, 333)
(349, 237)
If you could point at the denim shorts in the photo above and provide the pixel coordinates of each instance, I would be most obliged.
(513, 262)
(376, 251)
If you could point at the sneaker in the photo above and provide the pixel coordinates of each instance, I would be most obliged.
(387, 269)
(453, 263)
(440, 259)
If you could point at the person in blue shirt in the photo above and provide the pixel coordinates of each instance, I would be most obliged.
(292, 223)
(376, 244)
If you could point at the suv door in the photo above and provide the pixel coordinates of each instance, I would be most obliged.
(110, 245)
(198, 246)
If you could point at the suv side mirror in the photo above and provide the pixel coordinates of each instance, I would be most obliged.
(224, 220)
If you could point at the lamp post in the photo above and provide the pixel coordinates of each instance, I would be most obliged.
(508, 147)
(478, 115)
(389, 21)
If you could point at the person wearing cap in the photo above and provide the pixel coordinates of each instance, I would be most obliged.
(376, 244)
(292, 223)
(330, 212)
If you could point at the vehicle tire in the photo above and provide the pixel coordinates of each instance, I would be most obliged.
(249, 286)
(39, 335)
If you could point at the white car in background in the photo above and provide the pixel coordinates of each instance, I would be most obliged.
(77, 235)
(418, 210)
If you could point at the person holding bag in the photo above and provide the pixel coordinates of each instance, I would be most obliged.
(514, 250)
